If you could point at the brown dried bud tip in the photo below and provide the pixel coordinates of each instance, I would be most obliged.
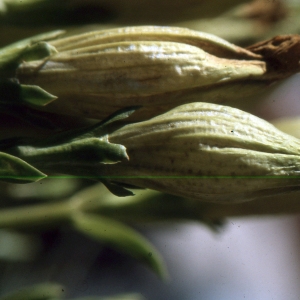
(282, 53)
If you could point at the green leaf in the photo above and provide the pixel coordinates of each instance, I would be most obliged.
(115, 297)
(43, 291)
(14, 169)
(111, 123)
(33, 94)
(37, 51)
(14, 93)
(11, 55)
(119, 115)
(116, 189)
(121, 237)
(71, 152)
(97, 130)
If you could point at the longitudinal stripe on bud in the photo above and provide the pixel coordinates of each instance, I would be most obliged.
(131, 68)
(209, 152)
(205, 41)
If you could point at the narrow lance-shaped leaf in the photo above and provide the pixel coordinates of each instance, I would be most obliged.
(35, 95)
(109, 124)
(120, 237)
(14, 169)
(14, 93)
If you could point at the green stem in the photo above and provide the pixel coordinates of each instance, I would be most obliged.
(145, 206)
(35, 216)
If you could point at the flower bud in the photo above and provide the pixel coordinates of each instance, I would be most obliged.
(158, 68)
(207, 152)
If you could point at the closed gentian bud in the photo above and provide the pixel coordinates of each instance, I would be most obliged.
(96, 73)
(207, 152)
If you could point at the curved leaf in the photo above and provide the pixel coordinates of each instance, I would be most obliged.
(116, 189)
(14, 169)
(14, 93)
(115, 297)
(121, 237)
(11, 55)
(35, 95)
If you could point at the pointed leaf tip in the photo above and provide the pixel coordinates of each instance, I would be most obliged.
(117, 189)
(121, 237)
(16, 170)
(33, 94)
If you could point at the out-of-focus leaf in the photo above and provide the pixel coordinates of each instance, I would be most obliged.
(43, 291)
(16, 246)
(121, 237)
(49, 190)
(116, 297)
(14, 169)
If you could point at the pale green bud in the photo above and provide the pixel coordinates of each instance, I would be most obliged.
(96, 73)
(208, 152)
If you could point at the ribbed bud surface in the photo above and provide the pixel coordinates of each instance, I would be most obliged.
(209, 152)
(96, 73)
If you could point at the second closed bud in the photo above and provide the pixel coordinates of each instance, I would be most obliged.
(207, 152)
